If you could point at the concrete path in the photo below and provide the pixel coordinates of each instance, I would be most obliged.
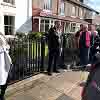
(63, 86)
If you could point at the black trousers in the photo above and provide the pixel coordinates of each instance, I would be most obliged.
(3, 89)
(61, 59)
(53, 57)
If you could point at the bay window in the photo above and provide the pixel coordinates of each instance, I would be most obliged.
(67, 27)
(73, 27)
(44, 25)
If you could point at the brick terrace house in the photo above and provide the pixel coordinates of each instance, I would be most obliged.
(7, 16)
(68, 13)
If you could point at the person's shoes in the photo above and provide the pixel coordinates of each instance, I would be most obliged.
(50, 74)
(64, 67)
(2, 98)
(82, 68)
(56, 71)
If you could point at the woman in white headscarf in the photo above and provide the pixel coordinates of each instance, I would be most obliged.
(5, 62)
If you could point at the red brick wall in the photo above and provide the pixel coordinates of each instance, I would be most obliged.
(35, 26)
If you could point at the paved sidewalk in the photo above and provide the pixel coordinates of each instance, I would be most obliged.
(63, 86)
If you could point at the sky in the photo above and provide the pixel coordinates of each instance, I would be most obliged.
(21, 10)
(94, 4)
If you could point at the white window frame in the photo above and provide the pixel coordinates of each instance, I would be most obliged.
(67, 28)
(47, 5)
(72, 26)
(9, 1)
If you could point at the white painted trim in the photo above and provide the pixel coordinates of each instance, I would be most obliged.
(39, 23)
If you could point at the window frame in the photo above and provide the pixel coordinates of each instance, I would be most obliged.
(47, 5)
(72, 26)
(9, 27)
(9, 1)
(62, 8)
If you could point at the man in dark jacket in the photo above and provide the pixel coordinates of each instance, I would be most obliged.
(53, 45)
(77, 35)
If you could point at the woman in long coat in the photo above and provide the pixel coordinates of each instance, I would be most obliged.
(5, 62)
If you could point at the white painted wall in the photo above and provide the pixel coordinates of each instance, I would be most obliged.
(5, 9)
(21, 12)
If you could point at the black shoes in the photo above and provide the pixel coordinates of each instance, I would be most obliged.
(49, 73)
(2, 98)
(56, 71)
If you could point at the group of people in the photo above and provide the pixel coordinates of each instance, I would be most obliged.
(85, 39)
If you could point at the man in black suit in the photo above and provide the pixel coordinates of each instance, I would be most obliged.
(53, 45)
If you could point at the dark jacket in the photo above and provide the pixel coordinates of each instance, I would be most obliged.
(53, 42)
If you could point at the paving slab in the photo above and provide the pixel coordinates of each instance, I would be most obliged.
(64, 97)
(75, 93)
(44, 92)
(62, 86)
(21, 96)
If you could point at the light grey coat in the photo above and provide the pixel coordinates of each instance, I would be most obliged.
(5, 60)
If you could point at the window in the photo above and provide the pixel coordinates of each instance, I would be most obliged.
(67, 26)
(73, 27)
(9, 1)
(44, 25)
(9, 23)
(47, 4)
(62, 8)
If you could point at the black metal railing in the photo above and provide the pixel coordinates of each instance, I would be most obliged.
(30, 56)
(27, 57)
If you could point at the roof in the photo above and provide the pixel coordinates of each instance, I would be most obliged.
(83, 5)
(26, 27)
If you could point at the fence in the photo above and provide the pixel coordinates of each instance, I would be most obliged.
(70, 51)
(27, 56)
(30, 56)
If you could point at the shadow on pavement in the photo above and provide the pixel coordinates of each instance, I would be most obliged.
(64, 97)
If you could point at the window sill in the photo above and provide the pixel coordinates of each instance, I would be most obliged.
(8, 4)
